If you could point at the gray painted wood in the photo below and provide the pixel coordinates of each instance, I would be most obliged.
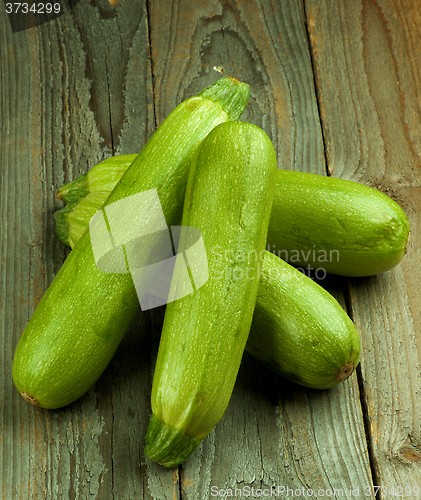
(336, 87)
(372, 132)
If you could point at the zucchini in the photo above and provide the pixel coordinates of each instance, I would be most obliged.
(95, 180)
(300, 330)
(73, 219)
(340, 226)
(323, 223)
(295, 320)
(228, 198)
(81, 319)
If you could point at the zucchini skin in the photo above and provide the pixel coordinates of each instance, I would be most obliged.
(344, 227)
(73, 219)
(341, 226)
(80, 321)
(95, 180)
(300, 330)
(295, 320)
(228, 198)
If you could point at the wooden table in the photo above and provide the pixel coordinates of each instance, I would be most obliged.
(337, 86)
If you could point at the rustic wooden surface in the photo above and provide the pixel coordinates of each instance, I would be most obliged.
(337, 86)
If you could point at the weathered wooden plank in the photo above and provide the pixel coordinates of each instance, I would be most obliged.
(261, 43)
(22, 251)
(73, 91)
(367, 65)
(85, 80)
(274, 433)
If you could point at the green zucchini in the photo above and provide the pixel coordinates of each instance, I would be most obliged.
(300, 330)
(228, 198)
(339, 226)
(73, 220)
(323, 223)
(295, 320)
(81, 319)
(95, 180)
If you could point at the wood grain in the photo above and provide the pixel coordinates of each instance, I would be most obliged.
(262, 43)
(336, 86)
(73, 92)
(266, 45)
(367, 65)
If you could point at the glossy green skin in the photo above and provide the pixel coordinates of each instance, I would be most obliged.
(229, 198)
(84, 314)
(300, 330)
(341, 226)
(286, 328)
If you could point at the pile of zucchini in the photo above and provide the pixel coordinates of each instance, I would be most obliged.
(219, 175)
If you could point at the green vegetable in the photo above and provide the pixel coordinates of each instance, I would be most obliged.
(228, 198)
(341, 226)
(102, 177)
(300, 330)
(295, 320)
(336, 225)
(73, 219)
(82, 317)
